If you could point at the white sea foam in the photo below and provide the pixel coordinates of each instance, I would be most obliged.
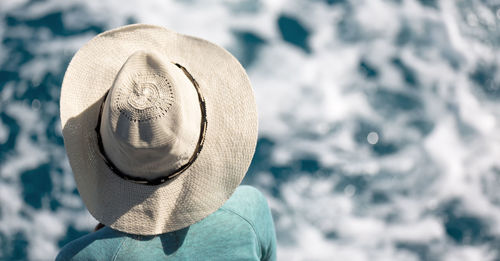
(28, 154)
(12, 203)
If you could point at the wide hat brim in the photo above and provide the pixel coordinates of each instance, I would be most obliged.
(229, 145)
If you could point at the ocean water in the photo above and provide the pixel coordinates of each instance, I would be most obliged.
(379, 120)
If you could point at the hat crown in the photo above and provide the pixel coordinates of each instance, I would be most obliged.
(151, 118)
(144, 95)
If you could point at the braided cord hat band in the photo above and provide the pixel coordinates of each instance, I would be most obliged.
(217, 162)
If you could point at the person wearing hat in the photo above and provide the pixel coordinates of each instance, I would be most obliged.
(160, 129)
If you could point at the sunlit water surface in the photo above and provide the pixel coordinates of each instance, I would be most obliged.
(379, 120)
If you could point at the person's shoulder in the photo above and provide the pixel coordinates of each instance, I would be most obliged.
(251, 205)
(248, 190)
(245, 201)
(93, 246)
(245, 195)
(248, 203)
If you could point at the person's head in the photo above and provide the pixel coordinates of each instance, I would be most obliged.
(159, 127)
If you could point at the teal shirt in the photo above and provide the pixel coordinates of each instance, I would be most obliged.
(242, 229)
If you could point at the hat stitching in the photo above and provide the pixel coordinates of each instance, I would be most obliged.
(147, 114)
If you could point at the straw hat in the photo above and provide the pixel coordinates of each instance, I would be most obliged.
(159, 127)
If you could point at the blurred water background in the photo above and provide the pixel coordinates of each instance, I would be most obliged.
(379, 120)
